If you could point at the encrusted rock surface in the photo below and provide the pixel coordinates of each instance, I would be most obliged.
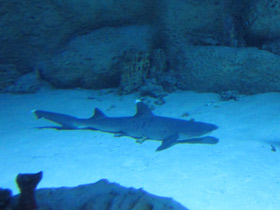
(217, 69)
(263, 21)
(33, 30)
(87, 60)
(8, 75)
(101, 195)
(77, 43)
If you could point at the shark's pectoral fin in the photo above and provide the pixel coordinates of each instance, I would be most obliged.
(168, 142)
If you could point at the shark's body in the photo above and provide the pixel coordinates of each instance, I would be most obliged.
(143, 125)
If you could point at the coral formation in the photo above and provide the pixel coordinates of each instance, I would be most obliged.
(230, 95)
(134, 67)
(144, 71)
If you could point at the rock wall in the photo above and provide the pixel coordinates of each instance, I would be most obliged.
(77, 43)
(263, 21)
(247, 70)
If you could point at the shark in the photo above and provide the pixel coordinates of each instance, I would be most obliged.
(144, 125)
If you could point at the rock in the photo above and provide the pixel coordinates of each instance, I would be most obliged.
(5, 198)
(230, 95)
(77, 43)
(28, 83)
(218, 69)
(158, 60)
(168, 81)
(86, 61)
(93, 14)
(31, 31)
(188, 22)
(184, 23)
(272, 46)
(234, 22)
(188, 18)
(27, 184)
(102, 195)
(206, 22)
(8, 75)
(263, 22)
(152, 89)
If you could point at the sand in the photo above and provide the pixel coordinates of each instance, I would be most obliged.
(240, 172)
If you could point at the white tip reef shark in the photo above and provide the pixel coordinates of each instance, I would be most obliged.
(144, 125)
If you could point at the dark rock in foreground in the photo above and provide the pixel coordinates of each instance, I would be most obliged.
(5, 198)
(101, 195)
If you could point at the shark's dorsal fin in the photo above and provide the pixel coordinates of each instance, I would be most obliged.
(98, 114)
(142, 109)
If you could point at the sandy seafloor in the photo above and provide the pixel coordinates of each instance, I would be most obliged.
(240, 172)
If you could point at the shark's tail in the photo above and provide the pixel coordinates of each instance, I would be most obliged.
(66, 121)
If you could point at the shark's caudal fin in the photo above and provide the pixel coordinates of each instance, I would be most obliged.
(142, 109)
(66, 121)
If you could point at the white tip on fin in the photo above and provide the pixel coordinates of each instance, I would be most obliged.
(142, 109)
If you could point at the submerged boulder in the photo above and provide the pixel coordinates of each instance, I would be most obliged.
(87, 60)
(33, 30)
(101, 195)
(5, 198)
(182, 23)
(77, 43)
(29, 31)
(218, 69)
(263, 21)
(8, 75)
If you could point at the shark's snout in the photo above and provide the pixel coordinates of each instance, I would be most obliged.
(213, 127)
(205, 128)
